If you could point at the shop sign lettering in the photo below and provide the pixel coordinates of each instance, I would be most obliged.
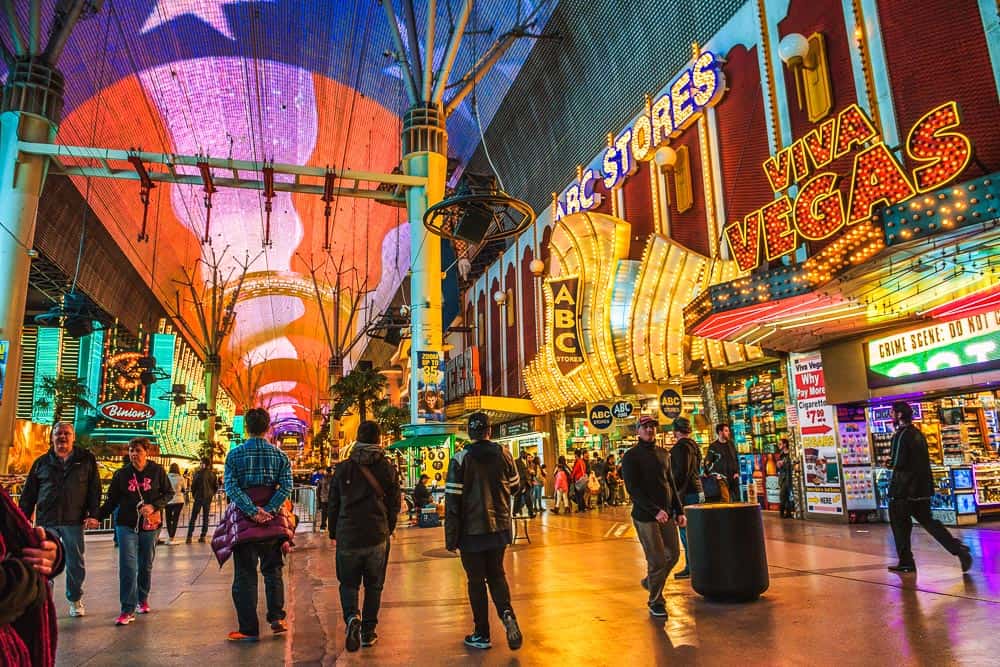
(127, 412)
(600, 417)
(564, 329)
(670, 403)
(947, 345)
(672, 111)
(819, 209)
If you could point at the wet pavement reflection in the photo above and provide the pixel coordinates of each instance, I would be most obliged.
(576, 591)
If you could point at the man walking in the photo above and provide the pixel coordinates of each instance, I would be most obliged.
(323, 496)
(364, 502)
(524, 493)
(910, 492)
(727, 464)
(656, 510)
(478, 524)
(259, 468)
(685, 464)
(204, 486)
(64, 487)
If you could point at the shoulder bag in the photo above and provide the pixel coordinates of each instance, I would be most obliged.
(155, 518)
(376, 486)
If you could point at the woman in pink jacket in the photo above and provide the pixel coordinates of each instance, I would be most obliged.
(562, 482)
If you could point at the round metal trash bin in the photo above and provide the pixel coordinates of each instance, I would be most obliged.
(726, 553)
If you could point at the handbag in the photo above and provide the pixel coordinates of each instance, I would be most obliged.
(154, 519)
(593, 484)
(710, 485)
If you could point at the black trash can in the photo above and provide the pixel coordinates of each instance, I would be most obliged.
(726, 552)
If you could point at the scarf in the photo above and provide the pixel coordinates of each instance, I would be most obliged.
(31, 638)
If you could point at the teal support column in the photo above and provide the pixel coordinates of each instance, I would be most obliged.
(29, 111)
(424, 154)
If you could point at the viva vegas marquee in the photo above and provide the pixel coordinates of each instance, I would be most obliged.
(819, 209)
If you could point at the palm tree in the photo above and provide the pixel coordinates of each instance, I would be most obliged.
(391, 418)
(61, 393)
(361, 387)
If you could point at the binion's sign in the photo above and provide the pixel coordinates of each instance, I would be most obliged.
(672, 111)
(820, 208)
(127, 412)
(564, 327)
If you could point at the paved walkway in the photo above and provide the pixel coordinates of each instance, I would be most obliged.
(577, 596)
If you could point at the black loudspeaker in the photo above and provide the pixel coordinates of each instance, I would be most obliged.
(393, 336)
(365, 365)
(474, 223)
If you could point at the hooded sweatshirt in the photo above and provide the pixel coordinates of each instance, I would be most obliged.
(359, 517)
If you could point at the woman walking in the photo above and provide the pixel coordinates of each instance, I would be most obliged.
(562, 483)
(139, 492)
(538, 470)
(180, 485)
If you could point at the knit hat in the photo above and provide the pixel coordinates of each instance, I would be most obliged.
(682, 425)
(369, 433)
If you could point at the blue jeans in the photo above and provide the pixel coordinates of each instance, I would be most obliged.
(689, 499)
(135, 566)
(355, 566)
(537, 491)
(72, 540)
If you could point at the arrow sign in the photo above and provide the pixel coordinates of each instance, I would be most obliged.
(819, 429)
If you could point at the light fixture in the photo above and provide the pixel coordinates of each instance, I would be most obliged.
(537, 267)
(499, 297)
(665, 158)
(806, 57)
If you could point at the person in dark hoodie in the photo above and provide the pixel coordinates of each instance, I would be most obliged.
(363, 505)
(138, 491)
(477, 523)
(685, 464)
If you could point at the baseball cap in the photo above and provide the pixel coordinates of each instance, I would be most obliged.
(479, 424)
(682, 425)
(647, 419)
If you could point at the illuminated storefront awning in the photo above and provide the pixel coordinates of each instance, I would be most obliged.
(422, 441)
(938, 258)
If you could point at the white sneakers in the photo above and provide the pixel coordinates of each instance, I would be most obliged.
(77, 609)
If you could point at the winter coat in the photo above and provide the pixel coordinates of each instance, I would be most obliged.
(562, 479)
(358, 518)
(130, 488)
(204, 484)
(180, 486)
(727, 464)
(650, 482)
(480, 481)
(421, 495)
(685, 463)
(27, 612)
(62, 494)
(237, 528)
(911, 465)
(323, 488)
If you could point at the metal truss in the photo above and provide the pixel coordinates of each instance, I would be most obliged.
(243, 174)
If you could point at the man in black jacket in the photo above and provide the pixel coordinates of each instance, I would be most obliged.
(727, 463)
(910, 492)
(478, 523)
(204, 486)
(685, 464)
(364, 505)
(522, 495)
(656, 510)
(64, 487)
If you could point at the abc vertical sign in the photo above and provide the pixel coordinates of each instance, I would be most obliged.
(565, 324)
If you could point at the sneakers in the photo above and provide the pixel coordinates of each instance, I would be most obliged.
(683, 574)
(201, 540)
(965, 558)
(904, 567)
(658, 610)
(353, 641)
(124, 619)
(76, 609)
(476, 640)
(279, 627)
(514, 637)
(187, 541)
(142, 608)
(369, 638)
(240, 637)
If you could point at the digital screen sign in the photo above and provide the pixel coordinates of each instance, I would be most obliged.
(938, 350)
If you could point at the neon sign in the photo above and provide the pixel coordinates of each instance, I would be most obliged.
(819, 209)
(676, 108)
(938, 348)
(565, 334)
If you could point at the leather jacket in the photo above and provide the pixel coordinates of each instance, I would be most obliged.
(477, 491)
(62, 494)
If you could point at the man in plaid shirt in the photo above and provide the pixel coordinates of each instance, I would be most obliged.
(258, 463)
